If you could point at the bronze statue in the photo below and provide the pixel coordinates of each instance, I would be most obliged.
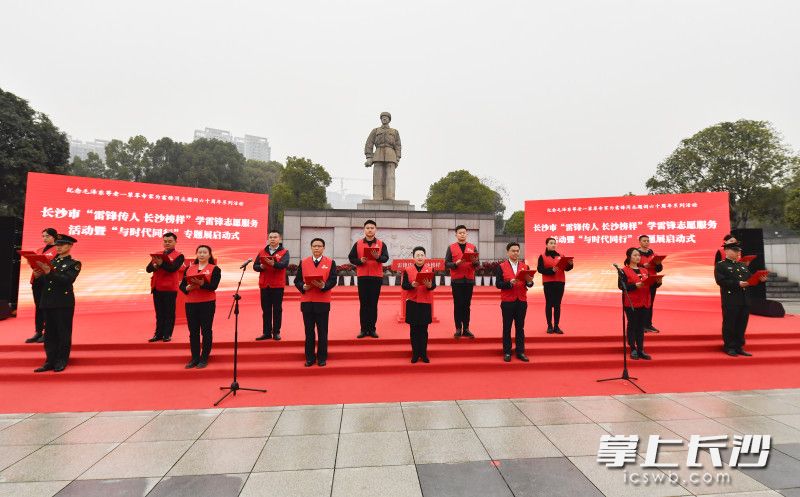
(383, 153)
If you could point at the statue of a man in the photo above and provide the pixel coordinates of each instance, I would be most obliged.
(383, 153)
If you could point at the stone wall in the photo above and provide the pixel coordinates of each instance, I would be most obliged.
(782, 255)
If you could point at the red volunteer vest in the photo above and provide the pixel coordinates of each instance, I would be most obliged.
(50, 253)
(314, 294)
(640, 297)
(463, 270)
(200, 294)
(164, 281)
(421, 294)
(371, 267)
(551, 262)
(519, 291)
(269, 277)
(645, 259)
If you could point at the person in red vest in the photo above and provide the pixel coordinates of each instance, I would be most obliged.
(462, 280)
(632, 277)
(419, 304)
(513, 301)
(315, 300)
(645, 262)
(271, 265)
(553, 282)
(370, 277)
(164, 286)
(37, 282)
(199, 283)
(719, 255)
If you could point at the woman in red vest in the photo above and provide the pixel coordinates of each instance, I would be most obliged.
(419, 304)
(636, 309)
(37, 282)
(553, 282)
(200, 282)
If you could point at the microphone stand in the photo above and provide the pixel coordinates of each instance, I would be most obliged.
(235, 310)
(624, 376)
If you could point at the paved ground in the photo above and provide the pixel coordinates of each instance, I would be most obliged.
(523, 447)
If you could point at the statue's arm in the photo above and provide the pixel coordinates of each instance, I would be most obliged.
(398, 147)
(370, 145)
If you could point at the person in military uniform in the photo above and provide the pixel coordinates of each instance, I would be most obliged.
(58, 302)
(383, 153)
(732, 276)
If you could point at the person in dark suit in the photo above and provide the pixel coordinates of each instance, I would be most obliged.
(164, 286)
(513, 301)
(58, 302)
(315, 300)
(636, 309)
(271, 264)
(419, 304)
(199, 283)
(50, 251)
(370, 277)
(731, 276)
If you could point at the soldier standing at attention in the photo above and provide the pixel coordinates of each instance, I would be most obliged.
(58, 303)
(732, 276)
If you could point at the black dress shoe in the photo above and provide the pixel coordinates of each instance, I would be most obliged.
(191, 364)
(425, 359)
(731, 352)
(550, 329)
(558, 331)
(652, 329)
(414, 359)
(59, 368)
(743, 352)
(35, 338)
(523, 358)
(264, 337)
(167, 339)
(202, 363)
(468, 334)
(507, 357)
(457, 334)
(644, 356)
(635, 355)
(322, 363)
(374, 334)
(44, 367)
(362, 334)
(310, 363)
(155, 339)
(276, 336)
(40, 339)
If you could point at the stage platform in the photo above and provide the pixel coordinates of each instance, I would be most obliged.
(113, 367)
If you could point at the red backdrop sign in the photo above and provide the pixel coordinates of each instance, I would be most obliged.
(118, 223)
(688, 228)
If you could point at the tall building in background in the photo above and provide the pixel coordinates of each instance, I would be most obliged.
(79, 148)
(252, 147)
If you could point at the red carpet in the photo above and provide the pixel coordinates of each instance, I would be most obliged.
(113, 367)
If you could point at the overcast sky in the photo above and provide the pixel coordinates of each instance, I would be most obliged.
(553, 99)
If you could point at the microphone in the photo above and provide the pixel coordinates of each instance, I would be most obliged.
(248, 261)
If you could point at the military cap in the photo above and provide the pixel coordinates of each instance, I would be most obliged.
(64, 239)
(386, 114)
(733, 246)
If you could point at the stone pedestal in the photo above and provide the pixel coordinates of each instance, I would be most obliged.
(384, 205)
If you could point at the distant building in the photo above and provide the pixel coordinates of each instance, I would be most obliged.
(346, 201)
(252, 147)
(78, 148)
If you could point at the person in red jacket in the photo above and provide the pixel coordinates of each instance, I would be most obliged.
(370, 277)
(513, 301)
(315, 300)
(553, 282)
(462, 280)
(50, 251)
(164, 286)
(419, 304)
(651, 268)
(638, 302)
(199, 283)
(271, 265)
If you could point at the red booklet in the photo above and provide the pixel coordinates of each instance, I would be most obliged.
(658, 259)
(564, 262)
(33, 258)
(422, 277)
(524, 274)
(204, 277)
(162, 256)
(266, 258)
(747, 259)
(652, 279)
(309, 279)
(756, 278)
(372, 253)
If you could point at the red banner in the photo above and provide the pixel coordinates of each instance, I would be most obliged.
(687, 228)
(119, 223)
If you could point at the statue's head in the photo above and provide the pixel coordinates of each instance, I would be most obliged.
(386, 117)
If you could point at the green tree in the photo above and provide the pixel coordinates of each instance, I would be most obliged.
(200, 164)
(745, 158)
(91, 167)
(461, 191)
(29, 142)
(515, 225)
(261, 176)
(129, 161)
(301, 185)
